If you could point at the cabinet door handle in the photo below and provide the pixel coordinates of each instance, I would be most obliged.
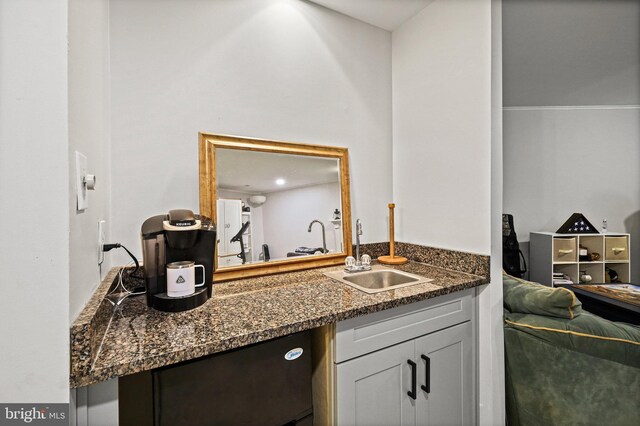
(412, 392)
(427, 374)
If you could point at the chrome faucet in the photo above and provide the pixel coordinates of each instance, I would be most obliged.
(358, 233)
(359, 263)
(324, 238)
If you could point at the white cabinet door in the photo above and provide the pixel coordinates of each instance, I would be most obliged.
(229, 214)
(445, 381)
(372, 389)
(233, 222)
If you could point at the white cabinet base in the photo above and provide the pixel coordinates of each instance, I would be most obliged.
(375, 384)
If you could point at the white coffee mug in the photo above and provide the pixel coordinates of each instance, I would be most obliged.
(181, 278)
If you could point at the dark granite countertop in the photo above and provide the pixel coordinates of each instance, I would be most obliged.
(109, 341)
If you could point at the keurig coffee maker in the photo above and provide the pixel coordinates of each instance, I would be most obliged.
(175, 240)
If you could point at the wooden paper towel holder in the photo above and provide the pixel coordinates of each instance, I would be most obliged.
(392, 259)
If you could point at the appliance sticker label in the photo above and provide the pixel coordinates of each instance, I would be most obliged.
(293, 354)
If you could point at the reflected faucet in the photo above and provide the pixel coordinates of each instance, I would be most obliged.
(324, 238)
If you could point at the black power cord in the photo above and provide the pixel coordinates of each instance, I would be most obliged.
(109, 247)
(119, 293)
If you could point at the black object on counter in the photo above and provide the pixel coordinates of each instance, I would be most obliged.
(177, 236)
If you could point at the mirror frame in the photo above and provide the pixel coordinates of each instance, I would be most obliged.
(208, 143)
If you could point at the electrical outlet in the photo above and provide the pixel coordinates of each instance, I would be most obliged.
(102, 225)
(81, 189)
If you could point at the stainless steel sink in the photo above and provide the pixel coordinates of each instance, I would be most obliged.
(378, 280)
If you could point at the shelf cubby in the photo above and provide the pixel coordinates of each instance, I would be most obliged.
(622, 269)
(594, 269)
(616, 248)
(570, 269)
(593, 244)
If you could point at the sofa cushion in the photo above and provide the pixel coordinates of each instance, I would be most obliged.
(532, 298)
(588, 334)
(563, 372)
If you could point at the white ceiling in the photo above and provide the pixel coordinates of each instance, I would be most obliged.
(386, 14)
(256, 172)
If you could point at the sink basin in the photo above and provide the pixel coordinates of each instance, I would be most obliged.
(378, 280)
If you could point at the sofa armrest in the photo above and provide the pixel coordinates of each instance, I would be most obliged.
(587, 333)
(529, 297)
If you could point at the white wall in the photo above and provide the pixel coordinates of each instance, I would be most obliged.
(568, 52)
(277, 69)
(447, 159)
(89, 134)
(491, 374)
(564, 160)
(442, 127)
(34, 214)
(575, 149)
(287, 215)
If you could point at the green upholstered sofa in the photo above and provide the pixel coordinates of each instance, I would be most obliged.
(565, 366)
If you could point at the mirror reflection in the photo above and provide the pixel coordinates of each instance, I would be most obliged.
(274, 206)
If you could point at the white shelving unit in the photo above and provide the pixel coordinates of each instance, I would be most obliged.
(551, 252)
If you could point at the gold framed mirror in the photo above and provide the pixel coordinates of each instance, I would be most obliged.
(278, 206)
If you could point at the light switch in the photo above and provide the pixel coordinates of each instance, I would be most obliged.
(81, 189)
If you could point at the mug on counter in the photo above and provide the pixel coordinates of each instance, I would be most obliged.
(181, 278)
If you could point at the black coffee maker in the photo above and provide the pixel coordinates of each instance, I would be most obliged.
(177, 236)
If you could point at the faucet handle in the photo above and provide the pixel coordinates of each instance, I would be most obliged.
(350, 262)
(365, 259)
